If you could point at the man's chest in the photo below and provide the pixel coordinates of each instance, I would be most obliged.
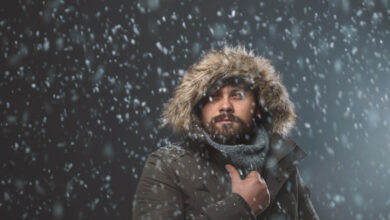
(204, 183)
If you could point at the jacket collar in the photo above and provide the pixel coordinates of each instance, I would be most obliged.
(282, 159)
(281, 162)
(280, 148)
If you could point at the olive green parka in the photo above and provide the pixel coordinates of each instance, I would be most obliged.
(185, 182)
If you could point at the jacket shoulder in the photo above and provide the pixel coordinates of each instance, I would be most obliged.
(283, 149)
(170, 152)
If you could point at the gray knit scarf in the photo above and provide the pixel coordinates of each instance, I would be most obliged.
(244, 157)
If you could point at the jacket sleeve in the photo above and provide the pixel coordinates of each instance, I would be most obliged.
(159, 196)
(306, 209)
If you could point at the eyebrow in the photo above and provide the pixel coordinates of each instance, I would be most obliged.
(244, 88)
(238, 87)
(238, 90)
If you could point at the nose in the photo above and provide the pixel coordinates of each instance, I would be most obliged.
(225, 105)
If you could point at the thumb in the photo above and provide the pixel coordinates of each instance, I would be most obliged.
(234, 175)
(254, 174)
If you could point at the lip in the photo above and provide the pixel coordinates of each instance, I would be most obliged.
(225, 122)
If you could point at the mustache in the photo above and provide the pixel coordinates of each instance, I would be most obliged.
(225, 116)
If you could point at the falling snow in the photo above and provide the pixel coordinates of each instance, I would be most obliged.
(83, 85)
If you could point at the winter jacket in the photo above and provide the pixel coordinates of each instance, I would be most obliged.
(185, 182)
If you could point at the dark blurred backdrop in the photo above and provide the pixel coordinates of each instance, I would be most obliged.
(83, 84)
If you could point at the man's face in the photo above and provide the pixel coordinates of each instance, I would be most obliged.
(228, 114)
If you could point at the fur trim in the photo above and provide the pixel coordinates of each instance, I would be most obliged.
(230, 62)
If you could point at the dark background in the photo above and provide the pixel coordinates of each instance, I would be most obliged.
(83, 84)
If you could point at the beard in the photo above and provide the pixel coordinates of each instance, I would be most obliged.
(238, 132)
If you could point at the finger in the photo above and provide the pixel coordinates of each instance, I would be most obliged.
(255, 174)
(234, 175)
(268, 196)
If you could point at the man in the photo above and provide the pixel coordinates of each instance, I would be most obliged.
(235, 161)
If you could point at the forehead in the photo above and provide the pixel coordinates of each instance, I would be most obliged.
(229, 88)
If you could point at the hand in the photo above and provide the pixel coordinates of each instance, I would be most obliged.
(253, 189)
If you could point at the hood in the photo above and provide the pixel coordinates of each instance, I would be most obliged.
(230, 62)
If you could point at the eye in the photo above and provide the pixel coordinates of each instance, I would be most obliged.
(238, 95)
(213, 97)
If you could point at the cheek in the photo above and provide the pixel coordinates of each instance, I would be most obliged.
(247, 112)
(207, 113)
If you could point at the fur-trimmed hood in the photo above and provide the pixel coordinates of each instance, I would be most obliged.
(230, 62)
